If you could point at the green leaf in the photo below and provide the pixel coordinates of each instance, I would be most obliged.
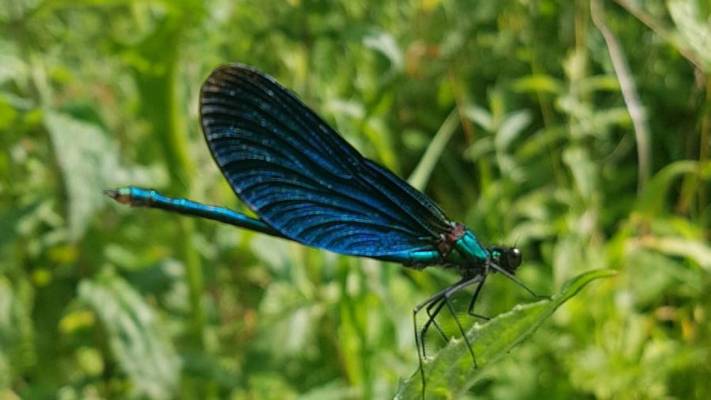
(12, 67)
(17, 336)
(143, 351)
(385, 43)
(537, 83)
(583, 169)
(85, 155)
(480, 116)
(651, 200)
(694, 28)
(88, 160)
(511, 128)
(695, 250)
(451, 372)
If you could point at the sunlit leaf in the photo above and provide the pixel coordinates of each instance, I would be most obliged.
(89, 163)
(16, 333)
(136, 339)
(85, 157)
(16, 10)
(695, 250)
(537, 83)
(584, 171)
(385, 43)
(11, 65)
(694, 28)
(512, 126)
(652, 200)
(599, 83)
(480, 148)
(480, 116)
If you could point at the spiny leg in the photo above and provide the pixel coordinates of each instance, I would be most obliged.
(518, 282)
(470, 309)
(419, 352)
(461, 329)
(435, 300)
(419, 340)
(439, 303)
(442, 298)
(432, 318)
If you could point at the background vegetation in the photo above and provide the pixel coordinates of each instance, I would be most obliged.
(583, 136)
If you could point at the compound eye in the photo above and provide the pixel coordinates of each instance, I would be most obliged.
(513, 257)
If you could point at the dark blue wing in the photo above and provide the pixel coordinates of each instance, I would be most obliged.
(303, 179)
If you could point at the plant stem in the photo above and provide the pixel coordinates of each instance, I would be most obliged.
(629, 93)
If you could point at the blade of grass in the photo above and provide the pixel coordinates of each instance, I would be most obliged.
(451, 372)
(629, 94)
(652, 200)
(424, 168)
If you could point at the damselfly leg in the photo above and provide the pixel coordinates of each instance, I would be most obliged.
(437, 306)
(475, 296)
(433, 306)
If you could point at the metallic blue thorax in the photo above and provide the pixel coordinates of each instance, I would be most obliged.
(463, 250)
(469, 247)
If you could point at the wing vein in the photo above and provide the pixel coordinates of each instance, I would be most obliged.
(305, 180)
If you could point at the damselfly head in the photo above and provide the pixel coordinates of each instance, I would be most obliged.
(508, 258)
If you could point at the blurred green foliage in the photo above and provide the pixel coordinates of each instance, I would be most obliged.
(101, 301)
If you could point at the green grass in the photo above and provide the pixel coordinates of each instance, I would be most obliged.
(511, 115)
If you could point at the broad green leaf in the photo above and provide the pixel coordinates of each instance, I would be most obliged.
(480, 116)
(385, 43)
(480, 149)
(599, 83)
(511, 128)
(451, 372)
(583, 170)
(538, 83)
(651, 200)
(695, 250)
(137, 341)
(694, 31)
(84, 155)
(89, 163)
